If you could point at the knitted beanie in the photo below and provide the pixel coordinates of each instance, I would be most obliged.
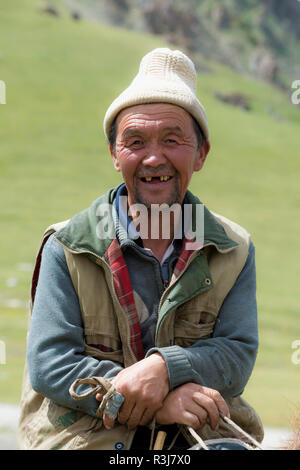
(164, 76)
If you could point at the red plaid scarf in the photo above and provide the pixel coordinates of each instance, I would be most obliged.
(124, 289)
(124, 293)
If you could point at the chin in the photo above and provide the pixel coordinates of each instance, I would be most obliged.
(169, 199)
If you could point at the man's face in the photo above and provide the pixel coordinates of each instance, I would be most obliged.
(157, 152)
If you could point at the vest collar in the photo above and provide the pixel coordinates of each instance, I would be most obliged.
(92, 230)
(214, 233)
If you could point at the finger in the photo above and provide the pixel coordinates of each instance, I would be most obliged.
(135, 417)
(223, 407)
(125, 411)
(210, 407)
(108, 421)
(219, 401)
(147, 417)
(198, 414)
(195, 421)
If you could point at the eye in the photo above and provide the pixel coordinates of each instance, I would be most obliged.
(170, 140)
(135, 143)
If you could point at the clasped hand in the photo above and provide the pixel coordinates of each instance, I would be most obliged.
(145, 387)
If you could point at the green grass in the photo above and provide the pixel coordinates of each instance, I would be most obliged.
(60, 77)
(13, 325)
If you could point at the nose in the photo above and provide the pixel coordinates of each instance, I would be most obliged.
(154, 156)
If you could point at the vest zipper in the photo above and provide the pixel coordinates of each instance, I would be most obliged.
(192, 257)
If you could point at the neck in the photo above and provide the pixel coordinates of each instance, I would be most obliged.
(157, 228)
(158, 247)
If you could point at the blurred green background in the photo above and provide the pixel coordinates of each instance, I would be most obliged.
(61, 74)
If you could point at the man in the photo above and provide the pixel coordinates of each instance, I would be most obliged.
(167, 314)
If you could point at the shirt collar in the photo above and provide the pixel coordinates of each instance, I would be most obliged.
(125, 228)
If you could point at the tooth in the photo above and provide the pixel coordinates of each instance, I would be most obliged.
(161, 178)
(166, 178)
(148, 178)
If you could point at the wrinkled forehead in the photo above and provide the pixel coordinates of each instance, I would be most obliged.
(154, 115)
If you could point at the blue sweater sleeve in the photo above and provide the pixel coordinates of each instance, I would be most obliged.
(226, 360)
(55, 349)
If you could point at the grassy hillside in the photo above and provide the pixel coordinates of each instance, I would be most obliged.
(260, 38)
(60, 77)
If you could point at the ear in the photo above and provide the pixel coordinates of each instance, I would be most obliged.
(114, 157)
(203, 152)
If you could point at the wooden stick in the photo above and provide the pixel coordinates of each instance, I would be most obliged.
(160, 440)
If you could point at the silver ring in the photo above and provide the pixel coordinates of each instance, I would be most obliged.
(113, 405)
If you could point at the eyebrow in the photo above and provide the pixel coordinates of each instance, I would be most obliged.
(132, 131)
(173, 129)
(136, 130)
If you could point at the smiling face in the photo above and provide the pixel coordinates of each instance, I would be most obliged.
(157, 152)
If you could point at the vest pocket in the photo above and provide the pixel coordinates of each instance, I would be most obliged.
(103, 347)
(186, 333)
(54, 427)
(193, 321)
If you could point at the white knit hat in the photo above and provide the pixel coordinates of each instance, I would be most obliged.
(164, 76)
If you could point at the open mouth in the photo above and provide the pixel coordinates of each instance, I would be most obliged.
(156, 179)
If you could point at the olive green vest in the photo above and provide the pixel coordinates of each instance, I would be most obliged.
(188, 311)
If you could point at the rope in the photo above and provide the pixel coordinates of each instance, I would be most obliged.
(153, 424)
(99, 385)
(235, 427)
(198, 438)
(174, 440)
